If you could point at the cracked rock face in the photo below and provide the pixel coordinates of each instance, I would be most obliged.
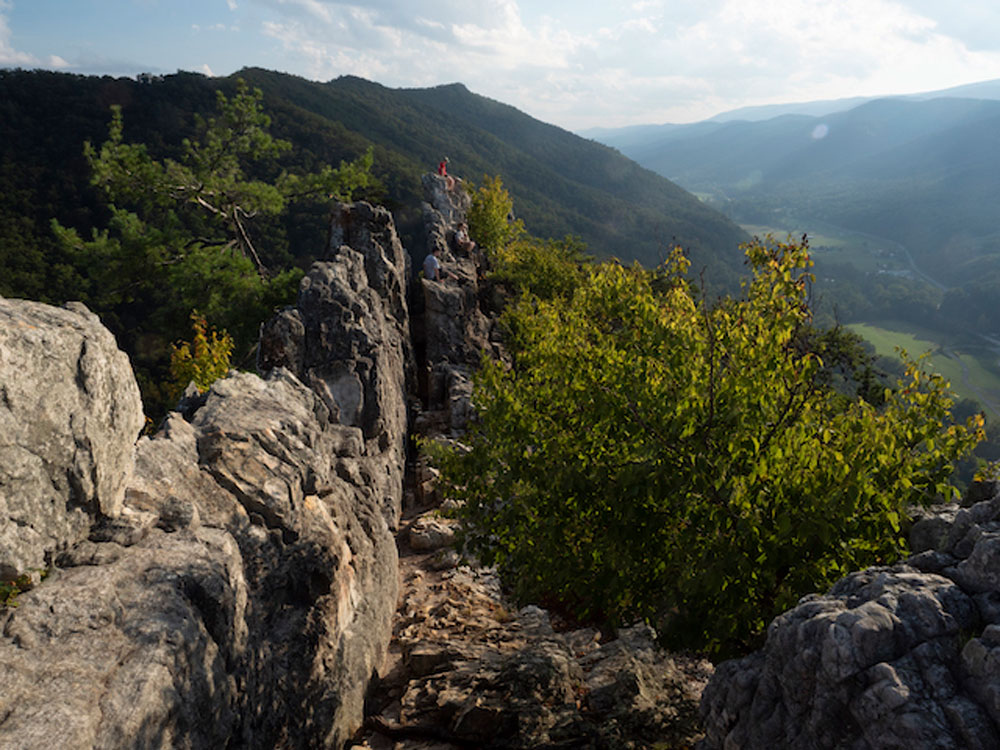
(237, 589)
(69, 415)
(453, 330)
(901, 656)
(348, 338)
(242, 598)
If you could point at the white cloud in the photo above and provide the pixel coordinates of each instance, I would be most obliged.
(814, 49)
(232, 4)
(8, 55)
(207, 70)
(214, 27)
(318, 9)
(737, 52)
(404, 49)
(581, 64)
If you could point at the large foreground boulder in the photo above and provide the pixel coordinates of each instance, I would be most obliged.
(895, 657)
(237, 588)
(243, 597)
(69, 415)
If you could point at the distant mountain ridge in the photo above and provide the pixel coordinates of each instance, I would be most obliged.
(924, 172)
(561, 183)
(815, 108)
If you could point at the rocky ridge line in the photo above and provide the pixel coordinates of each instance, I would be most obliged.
(467, 669)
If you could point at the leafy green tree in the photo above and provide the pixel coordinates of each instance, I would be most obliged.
(491, 222)
(544, 268)
(652, 456)
(210, 183)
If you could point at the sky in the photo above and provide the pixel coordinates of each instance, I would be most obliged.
(574, 63)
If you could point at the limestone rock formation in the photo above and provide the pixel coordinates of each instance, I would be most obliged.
(450, 205)
(892, 657)
(348, 338)
(238, 589)
(453, 331)
(243, 596)
(69, 416)
(231, 581)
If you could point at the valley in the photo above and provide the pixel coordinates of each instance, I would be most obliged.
(968, 359)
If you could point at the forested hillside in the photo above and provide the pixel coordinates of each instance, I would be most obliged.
(562, 184)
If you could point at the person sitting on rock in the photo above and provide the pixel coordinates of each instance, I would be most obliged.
(432, 266)
(443, 172)
(462, 242)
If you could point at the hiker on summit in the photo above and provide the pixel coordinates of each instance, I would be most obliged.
(443, 172)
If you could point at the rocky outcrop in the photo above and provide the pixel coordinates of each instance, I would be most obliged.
(231, 580)
(469, 670)
(69, 415)
(453, 331)
(243, 596)
(348, 338)
(450, 206)
(238, 589)
(892, 657)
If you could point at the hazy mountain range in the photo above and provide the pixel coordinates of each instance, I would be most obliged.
(921, 170)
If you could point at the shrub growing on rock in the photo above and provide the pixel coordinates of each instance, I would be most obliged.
(201, 361)
(651, 455)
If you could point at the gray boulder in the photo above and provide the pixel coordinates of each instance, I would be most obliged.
(893, 657)
(242, 598)
(69, 415)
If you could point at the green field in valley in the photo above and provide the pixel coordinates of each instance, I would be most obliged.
(864, 253)
(969, 368)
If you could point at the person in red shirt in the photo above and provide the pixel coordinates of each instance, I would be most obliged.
(443, 172)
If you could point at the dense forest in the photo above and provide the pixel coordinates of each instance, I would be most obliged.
(562, 184)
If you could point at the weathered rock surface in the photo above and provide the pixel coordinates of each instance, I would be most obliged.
(450, 205)
(470, 671)
(453, 331)
(348, 338)
(242, 598)
(238, 589)
(905, 656)
(69, 416)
